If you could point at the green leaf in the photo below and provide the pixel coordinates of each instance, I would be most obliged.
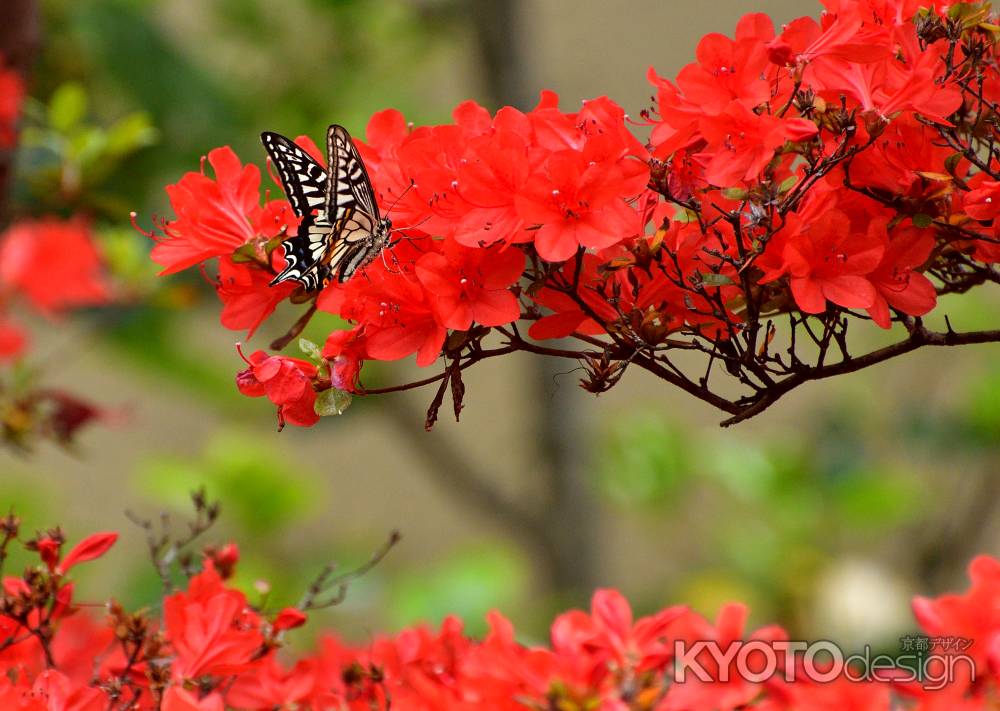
(787, 184)
(311, 350)
(713, 279)
(951, 162)
(131, 133)
(922, 220)
(684, 216)
(332, 402)
(245, 253)
(67, 107)
(735, 193)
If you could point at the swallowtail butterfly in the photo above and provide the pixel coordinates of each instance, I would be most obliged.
(341, 228)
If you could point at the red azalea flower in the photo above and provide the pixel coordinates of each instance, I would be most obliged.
(826, 260)
(215, 216)
(693, 693)
(974, 615)
(178, 699)
(729, 69)
(640, 645)
(211, 628)
(273, 687)
(345, 351)
(495, 169)
(246, 295)
(569, 316)
(287, 382)
(741, 143)
(889, 87)
(907, 159)
(60, 694)
(896, 284)
(55, 265)
(843, 35)
(580, 200)
(472, 285)
(983, 203)
(396, 311)
(604, 117)
(677, 124)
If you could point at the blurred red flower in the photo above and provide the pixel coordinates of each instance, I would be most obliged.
(53, 264)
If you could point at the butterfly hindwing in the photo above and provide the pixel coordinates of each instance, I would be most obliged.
(356, 244)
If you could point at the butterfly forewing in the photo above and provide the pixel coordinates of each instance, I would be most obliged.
(304, 180)
(305, 184)
(351, 187)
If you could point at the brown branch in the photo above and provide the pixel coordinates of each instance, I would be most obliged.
(297, 328)
(327, 580)
(919, 337)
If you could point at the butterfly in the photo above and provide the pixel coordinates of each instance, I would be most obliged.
(341, 229)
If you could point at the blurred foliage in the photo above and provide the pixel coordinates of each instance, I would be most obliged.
(67, 159)
(262, 492)
(468, 584)
(773, 513)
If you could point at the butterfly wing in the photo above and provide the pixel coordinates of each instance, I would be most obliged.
(350, 186)
(306, 185)
(359, 234)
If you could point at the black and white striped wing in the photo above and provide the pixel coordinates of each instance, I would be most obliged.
(303, 179)
(352, 206)
(350, 187)
(306, 186)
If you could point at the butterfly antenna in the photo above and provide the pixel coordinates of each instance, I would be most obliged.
(399, 197)
(408, 227)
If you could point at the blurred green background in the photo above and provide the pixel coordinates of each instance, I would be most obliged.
(825, 514)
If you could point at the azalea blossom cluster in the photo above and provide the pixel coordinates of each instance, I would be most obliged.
(208, 647)
(49, 267)
(795, 181)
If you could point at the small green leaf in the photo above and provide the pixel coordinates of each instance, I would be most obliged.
(332, 402)
(951, 162)
(735, 193)
(713, 279)
(131, 133)
(787, 184)
(922, 220)
(67, 107)
(310, 349)
(246, 253)
(684, 216)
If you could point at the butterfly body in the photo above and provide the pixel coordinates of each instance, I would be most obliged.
(341, 229)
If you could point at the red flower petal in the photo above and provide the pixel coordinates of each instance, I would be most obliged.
(88, 549)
